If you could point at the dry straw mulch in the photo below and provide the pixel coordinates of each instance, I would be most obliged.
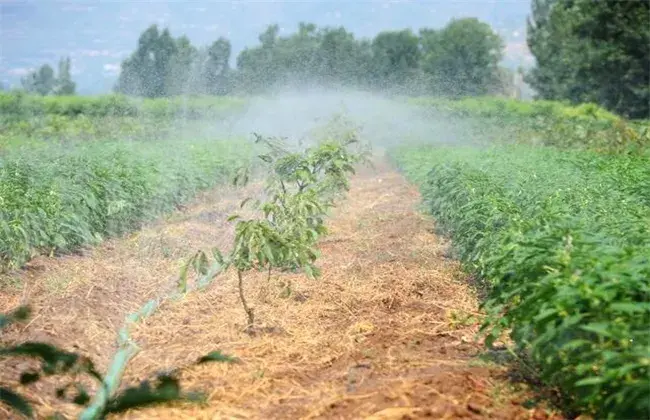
(382, 334)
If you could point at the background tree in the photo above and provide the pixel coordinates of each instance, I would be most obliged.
(592, 52)
(64, 84)
(341, 58)
(40, 81)
(462, 58)
(216, 70)
(395, 56)
(182, 76)
(148, 71)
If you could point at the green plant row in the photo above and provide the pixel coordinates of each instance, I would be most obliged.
(562, 241)
(499, 107)
(548, 123)
(59, 198)
(19, 105)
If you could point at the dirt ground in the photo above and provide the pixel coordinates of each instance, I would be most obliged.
(387, 332)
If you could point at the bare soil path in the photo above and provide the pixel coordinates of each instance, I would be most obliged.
(383, 334)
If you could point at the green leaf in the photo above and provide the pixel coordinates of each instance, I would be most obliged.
(182, 279)
(217, 356)
(19, 314)
(16, 402)
(27, 378)
(218, 256)
(575, 344)
(47, 352)
(167, 389)
(598, 328)
(232, 217)
(630, 307)
(593, 380)
(82, 398)
(244, 202)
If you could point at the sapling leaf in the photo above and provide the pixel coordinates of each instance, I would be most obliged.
(16, 402)
(27, 378)
(217, 356)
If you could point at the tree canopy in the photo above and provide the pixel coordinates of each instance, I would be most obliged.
(44, 81)
(590, 51)
(460, 59)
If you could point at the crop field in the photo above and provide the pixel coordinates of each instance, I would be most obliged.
(325, 256)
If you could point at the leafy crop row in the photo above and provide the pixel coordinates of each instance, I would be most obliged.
(21, 106)
(53, 199)
(496, 107)
(546, 123)
(562, 241)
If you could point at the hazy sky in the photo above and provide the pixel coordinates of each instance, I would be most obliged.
(97, 35)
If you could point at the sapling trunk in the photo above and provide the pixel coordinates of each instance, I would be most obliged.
(249, 311)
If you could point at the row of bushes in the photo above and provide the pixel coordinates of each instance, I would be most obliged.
(18, 105)
(498, 107)
(562, 241)
(548, 123)
(57, 198)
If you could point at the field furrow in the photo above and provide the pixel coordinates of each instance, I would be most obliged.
(388, 330)
(80, 301)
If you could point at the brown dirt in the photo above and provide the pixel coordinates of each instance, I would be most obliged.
(387, 332)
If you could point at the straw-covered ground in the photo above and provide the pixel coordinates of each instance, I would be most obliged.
(387, 331)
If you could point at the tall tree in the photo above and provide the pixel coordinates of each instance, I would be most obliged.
(64, 84)
(216, 70)
(396, 55)
(41, 81)
(182, 77)
(592, 52)
(341, 58)
(147, 72)
(462, 58)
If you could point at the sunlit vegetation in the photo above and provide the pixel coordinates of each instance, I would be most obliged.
(547, 202)
(561, 240)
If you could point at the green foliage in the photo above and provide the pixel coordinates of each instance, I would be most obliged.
(20, 106)
(56, 199)
(163, 66)
(44, 82)
(165, 387)
(395, 57)
(64, 84)
(301, 186)
(41, 81)
(462, 58)
(592, 52)
(549, 123)
(562, 242)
